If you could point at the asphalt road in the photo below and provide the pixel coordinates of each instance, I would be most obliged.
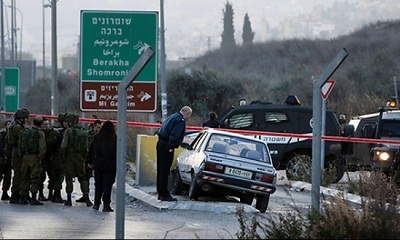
(145, 216)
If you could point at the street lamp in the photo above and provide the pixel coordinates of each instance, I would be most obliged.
(44, 45)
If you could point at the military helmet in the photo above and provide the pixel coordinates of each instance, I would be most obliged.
(61, 117)
(21, 113)
(70, 117)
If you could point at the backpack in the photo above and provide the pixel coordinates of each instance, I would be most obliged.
(10, 138)
(80, 139)
(28, 141)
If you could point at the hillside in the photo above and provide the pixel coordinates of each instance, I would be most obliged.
(276, 69)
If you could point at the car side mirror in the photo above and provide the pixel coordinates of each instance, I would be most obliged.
(185, 145)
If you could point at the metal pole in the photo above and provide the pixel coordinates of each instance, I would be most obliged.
(121, 140)
(164, 103)
(3, 72)
(12, 33)
(317, 119)
(323, 124)
(54, 80)
(395, 91)
(43, 28)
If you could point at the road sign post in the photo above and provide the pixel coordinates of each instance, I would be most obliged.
(12, 89)
(111, 43)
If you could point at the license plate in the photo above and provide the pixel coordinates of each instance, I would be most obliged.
(238, 172)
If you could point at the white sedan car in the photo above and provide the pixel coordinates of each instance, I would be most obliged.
(226, 163)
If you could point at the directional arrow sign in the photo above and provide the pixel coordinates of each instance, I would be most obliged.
(327, 88)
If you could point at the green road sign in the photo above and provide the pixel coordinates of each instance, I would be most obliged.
(12, 89)
(112, 42)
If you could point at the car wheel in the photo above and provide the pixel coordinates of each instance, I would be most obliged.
(194, 190)
(262, 203)
(177, 184)
(247, 199)
(299, 168)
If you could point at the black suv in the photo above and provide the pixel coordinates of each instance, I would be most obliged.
(290, 117)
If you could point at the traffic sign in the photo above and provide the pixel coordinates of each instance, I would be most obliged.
(327, 88)
(12, 89)
(141, 96)
(111, 43)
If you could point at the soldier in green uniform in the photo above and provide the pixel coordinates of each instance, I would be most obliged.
(52, 164)
(93, 129)
(74, 161)
(20, 118)
(5, 167)
(32, 154)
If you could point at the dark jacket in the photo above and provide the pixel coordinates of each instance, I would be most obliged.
(212, 123)
(102, 152)
(172, 130)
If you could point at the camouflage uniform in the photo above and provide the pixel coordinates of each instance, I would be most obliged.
(52, 164)
(5, 166)
(13, 133)
(74, 162)
(92, 130)
(31, 168)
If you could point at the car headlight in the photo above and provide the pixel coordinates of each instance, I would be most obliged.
(382, 155)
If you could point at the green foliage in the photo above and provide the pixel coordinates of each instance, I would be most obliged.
(288, 67)
(68, 95)
(376, 218)
(248, 34)
(204, 90)
(228, 38)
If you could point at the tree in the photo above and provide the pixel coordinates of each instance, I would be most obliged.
(228, 39)
(247, 34)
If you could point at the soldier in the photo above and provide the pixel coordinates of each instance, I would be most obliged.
(32, 148)
(93, 129)
(52, 162)
(20, 118)
(73, 149)
(5, 167)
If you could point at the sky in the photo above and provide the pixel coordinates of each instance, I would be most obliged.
(191, 26)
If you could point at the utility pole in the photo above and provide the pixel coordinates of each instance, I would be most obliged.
(54, 75)
(164, 104)
(3, 72)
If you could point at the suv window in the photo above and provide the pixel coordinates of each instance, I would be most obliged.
(275, 117)
(241, 120)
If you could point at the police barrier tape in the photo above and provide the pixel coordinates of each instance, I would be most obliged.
(246, 132)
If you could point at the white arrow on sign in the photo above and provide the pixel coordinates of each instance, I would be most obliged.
(327, 88)
(145, 97)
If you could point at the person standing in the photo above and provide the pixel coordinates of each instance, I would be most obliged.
(212, 122)
(170, 136)
(5, 166)
(20, 117)
(32, 156)
(74, 159)
(52, 162)
(103, 157)
(93, 129)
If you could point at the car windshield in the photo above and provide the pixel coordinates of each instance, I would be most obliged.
(238, 146)
(390, 128)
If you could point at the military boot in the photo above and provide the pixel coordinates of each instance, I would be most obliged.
(81, 200)
(23, 200)
(69, 200)
(57, 197)
(50, 197)
(41, 196)
(5, 196)
(107, 208)
(34, 201)
(87, 200)
(14, 199)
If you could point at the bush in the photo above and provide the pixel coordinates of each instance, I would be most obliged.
(376, 217)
